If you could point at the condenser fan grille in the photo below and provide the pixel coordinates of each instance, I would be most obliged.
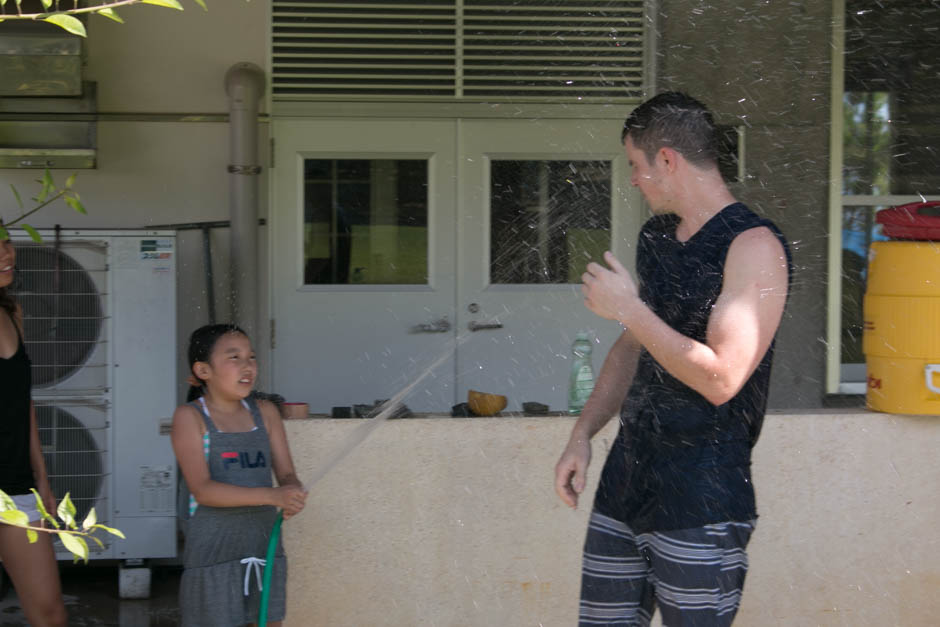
(74, 457)
(62, 312)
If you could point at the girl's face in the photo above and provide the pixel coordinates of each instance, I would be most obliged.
(231, 370)
(7, 261)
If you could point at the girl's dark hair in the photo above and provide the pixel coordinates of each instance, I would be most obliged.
(675, 120)
(201, 343)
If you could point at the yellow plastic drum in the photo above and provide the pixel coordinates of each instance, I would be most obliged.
(901, 339)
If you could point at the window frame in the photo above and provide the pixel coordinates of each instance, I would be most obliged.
(839, 376)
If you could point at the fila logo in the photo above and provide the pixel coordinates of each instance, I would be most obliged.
(243, 459)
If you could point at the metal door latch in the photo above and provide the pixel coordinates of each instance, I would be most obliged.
(481, 326)
(438, 326)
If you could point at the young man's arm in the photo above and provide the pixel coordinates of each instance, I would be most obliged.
(741, 326)
(611, 387)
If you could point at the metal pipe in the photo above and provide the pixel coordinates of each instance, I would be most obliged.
(244, 85)
(210, 279)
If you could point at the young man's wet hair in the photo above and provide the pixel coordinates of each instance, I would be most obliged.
(674, 120)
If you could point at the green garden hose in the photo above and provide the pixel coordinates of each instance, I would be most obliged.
(268, 569)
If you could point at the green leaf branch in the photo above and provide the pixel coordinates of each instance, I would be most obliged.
(49, 192)
(55, 11)
(73, 537)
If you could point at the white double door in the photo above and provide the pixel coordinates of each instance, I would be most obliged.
(463, 324)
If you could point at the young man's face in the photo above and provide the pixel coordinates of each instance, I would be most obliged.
(649, 177)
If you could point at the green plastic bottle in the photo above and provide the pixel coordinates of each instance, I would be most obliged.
(581, 383)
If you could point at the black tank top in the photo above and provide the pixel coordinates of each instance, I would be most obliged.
(680, 461)
(16, 472)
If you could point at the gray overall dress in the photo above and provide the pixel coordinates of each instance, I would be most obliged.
(221, 540)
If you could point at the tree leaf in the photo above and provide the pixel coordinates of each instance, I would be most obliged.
(113, 532)
(46, 4)
(66, 511)
(202, 3)
(90, 520)
(110, 14)
(33, 233)
(170, 4)
(100, 543)
(75, 544)
(48, 186)
(6, 502)
(15, 516)
(69, 23)
(70, 181)
(42, 509)
(76, 204)
(32, 536)
(19, 200)
(3, 233)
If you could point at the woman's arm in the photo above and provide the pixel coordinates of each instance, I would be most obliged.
(36, 460)
(38, 464)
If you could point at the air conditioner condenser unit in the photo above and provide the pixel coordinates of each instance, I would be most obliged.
(100, 329)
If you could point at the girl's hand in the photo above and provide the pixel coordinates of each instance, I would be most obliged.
(290, 498)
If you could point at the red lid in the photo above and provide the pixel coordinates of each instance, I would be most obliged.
(916, 220)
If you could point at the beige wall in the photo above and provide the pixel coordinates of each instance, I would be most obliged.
(452, 522)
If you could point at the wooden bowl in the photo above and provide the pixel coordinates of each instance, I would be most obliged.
(483, 404)
(292, 411)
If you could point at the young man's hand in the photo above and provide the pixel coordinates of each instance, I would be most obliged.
(609, 293)
(571, 470)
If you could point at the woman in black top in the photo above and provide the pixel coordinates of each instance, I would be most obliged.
(31, 566)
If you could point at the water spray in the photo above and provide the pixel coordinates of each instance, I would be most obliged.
(361, 432)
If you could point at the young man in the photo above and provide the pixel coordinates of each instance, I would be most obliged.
(689, 377)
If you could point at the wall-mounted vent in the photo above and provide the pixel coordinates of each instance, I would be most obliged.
(468, 50)
(47, 112)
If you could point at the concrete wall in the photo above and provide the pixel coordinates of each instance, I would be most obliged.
(766, 66)
(454, 522)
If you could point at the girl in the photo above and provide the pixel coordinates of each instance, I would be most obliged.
(227, 444)
(32, 567)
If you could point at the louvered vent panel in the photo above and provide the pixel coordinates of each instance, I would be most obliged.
(554, 50)
(470, 50)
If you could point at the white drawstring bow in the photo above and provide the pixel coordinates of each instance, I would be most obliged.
(258, 563)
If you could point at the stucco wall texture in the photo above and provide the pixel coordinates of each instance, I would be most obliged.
(454, 522)
(766, 66)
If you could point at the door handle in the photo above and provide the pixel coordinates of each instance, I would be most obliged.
(438, 326)
(478, 326)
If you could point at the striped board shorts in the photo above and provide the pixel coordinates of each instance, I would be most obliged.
(694, 576)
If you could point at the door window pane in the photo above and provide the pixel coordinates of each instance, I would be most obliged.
(890, 134)
(365, 221)
(867, 143)
(548, 219)
(891, 108)
(859, 230)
